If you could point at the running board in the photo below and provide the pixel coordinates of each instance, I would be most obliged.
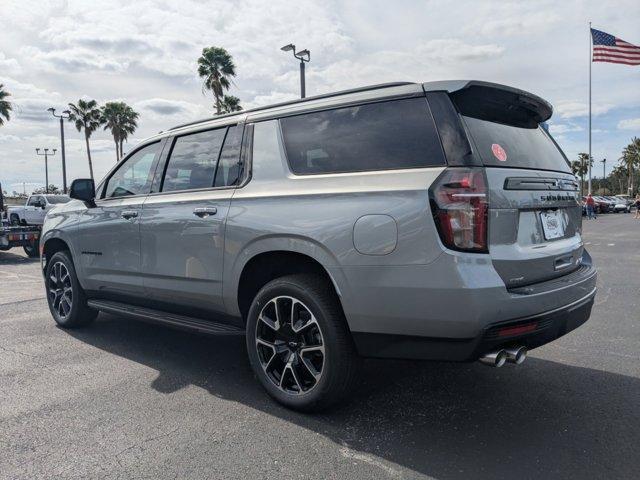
(164, 318)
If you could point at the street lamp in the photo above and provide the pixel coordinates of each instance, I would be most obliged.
(65, 115)
(604, 175)
(303, 56)
(46, 155)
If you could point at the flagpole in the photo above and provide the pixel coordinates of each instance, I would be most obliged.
(590, 61)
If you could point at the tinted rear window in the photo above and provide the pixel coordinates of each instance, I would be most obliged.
(381, 136)
(193, 160)
(504, 145)
(58, 199)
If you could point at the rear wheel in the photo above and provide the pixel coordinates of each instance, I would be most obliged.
(14, 219)
(298, 343)
(32, 250)
(66, 298)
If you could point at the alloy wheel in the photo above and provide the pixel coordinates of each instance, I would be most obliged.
(60, 290)
(290, 345)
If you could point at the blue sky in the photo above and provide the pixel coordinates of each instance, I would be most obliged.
(145, 52)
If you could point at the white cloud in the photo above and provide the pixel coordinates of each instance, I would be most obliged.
(560, 128)
(161, 107)
(4, 139)
(629, 124)
(32, 109)
(9, 65)
(451, 50)
(573, 109)
(516, 23)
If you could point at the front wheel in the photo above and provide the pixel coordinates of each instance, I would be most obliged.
(298, 343)
(66, 298)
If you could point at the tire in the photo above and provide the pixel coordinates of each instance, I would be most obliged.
(316, 369)
(66, 298)
(14, 219)
(32, 250)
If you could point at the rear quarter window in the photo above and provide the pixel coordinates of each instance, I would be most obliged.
(389, 135)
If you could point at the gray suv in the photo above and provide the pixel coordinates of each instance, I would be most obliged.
(433, 221)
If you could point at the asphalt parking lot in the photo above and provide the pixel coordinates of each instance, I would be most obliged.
(123, 399)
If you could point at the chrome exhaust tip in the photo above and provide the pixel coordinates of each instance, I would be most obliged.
(516, 355)
(494, 359)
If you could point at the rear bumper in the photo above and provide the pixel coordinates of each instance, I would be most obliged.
(531, 332)
(447, 310)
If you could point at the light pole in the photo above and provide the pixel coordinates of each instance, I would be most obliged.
(46, 155)
(65, 115)
(303, 56)
(604, 175)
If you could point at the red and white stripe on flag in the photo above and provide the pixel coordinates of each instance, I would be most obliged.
(621, 52)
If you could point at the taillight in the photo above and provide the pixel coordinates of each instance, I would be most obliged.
(459, 201)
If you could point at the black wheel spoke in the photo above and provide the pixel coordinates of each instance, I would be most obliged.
(290, 345)
(60, 290)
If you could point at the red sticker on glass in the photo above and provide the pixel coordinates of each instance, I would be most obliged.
(499, 152)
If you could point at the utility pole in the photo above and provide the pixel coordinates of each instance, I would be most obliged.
(304, 56)
(46, 155)
(64, 116)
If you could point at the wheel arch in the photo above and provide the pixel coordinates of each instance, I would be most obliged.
(272, 258)
(54, 241)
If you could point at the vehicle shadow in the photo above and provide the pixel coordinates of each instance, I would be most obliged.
(450, 421)
(8, 257)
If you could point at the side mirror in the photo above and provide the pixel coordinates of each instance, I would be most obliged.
(42, 205)
(83, 189)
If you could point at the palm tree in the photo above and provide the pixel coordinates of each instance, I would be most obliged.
(216, 67)
(631, 159)
(128, 125)
(86, 116)
(121, 120)
(230, 104)
(580, 168)
(619, 174)
(5, 105)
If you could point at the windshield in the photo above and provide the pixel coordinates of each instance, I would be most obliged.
(57, 199)
(504, 145)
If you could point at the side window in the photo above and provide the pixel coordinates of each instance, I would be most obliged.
(192, 162)
(228, 170)
(379, 136)
(135, 175)
(34, 201)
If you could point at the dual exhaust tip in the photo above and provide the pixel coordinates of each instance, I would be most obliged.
(515, 355)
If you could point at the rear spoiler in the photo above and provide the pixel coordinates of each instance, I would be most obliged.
(494, 102)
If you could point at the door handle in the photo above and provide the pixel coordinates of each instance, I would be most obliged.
(204, 212)
(127, 214)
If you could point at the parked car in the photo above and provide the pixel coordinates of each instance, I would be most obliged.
(625, 200)
(35, 209)
(617, 205)
(602, 205)
(427, 221)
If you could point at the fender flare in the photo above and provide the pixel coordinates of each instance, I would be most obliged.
(276, 243)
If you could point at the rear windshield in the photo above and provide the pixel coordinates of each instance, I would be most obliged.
(503, 145)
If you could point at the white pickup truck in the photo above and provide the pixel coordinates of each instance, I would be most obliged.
(35, 209)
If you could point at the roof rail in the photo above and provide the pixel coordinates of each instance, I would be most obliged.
(294, 102)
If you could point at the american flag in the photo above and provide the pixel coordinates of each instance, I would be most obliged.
(607, 48)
